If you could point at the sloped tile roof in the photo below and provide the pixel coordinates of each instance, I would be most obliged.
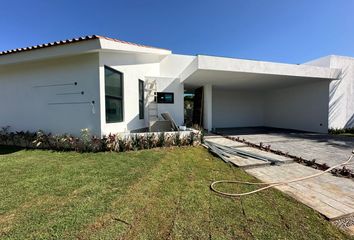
(72, 40)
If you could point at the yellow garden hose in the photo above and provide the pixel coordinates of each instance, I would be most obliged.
(273, 184)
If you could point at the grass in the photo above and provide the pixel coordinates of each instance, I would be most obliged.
(347, 134)
(151, 194)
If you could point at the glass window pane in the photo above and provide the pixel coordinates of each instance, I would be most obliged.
(141, 109)
(114, 110)
(114, 95)
(113, 81)
(141, 99)
(168, 98)
(141, 90)
(164, 97)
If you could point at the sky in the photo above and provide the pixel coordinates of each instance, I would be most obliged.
(291, 31)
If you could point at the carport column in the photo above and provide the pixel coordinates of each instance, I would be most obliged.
(208, 102)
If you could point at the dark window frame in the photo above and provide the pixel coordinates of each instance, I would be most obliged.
(158, 100)
(121, 98)
(141, 101)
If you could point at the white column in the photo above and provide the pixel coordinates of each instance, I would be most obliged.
(208, 107)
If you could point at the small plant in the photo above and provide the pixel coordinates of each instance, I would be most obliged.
(151, 140)
(120, 143)
(310, 163)
(169, 140)
(128, 143)
(191, 138)
(144, 142)
(110, 143)
(96, 144)
(85, 138)
(41, 139)
(135, 142)
(4, 130)
(343, 172)
(161, 140)
(177, 141)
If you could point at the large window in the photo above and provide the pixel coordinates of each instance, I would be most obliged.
(141, 99)
(114, 95)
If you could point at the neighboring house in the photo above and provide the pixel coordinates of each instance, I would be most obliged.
(105, 85)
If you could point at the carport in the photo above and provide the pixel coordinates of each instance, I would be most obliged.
(245, 93)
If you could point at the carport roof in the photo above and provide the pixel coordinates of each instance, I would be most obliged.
(249, 74)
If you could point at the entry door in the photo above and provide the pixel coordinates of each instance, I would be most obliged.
(198, 107)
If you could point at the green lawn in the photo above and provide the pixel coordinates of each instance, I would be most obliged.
(151, 194)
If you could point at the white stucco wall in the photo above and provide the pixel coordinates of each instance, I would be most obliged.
(30, 109)
(341, 96)
(170, 69)
(208, 107)
(341, 105)
(133, 67)
(176, 109)
(237, 108)
(173, 65)
(25, 95)
(303, 107)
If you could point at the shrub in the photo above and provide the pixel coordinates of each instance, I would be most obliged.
(88, 143)
(341, 130)
(161, 141)
(177, 141)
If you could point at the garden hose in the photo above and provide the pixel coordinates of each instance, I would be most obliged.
(272, 184)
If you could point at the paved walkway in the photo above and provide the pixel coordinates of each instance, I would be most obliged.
(331, 196)
(324, 148)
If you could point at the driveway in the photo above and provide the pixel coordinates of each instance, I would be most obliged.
(323, 148)
(331, 196)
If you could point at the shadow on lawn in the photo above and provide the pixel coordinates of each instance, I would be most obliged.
(8, 149)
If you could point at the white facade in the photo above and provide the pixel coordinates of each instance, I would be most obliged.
(133, 67)
(341, 96)
(33, 95)
(61, 89)
(303, 107)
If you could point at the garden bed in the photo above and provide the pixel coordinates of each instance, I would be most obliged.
(119, 142)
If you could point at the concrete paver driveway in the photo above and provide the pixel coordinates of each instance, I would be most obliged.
(331, 196)
(324, 148)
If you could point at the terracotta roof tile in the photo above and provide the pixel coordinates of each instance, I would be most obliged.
(72, 40)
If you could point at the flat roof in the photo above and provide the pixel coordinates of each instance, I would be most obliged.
(244, 74)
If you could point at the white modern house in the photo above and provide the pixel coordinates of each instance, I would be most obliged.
(111, 86)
